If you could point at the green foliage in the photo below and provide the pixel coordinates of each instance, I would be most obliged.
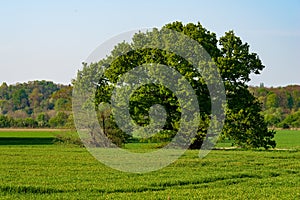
(291, 121)
(70, 122)
(19, 99)
(233, 59)
(272, 101)
(273, 116)
(59, 120)
(68, 138)
(160, 137)
(30, 123)
(42, 119)
(244, 122)
(62, 99)
(36, 100)
(109, 127)
(60, 104)
(280, 105)
(5, 121)
(239, 127)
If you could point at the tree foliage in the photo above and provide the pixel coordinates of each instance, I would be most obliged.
(280, 105)
(234, 60)
(32, 104)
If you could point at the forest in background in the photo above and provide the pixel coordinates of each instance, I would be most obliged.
(47, 104)
(36, 104)
(280, 105)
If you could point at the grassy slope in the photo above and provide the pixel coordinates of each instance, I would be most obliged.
(64, 172)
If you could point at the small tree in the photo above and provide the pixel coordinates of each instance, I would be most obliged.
(59, 120)
(5, 121)
(30, 123)
(42, 120)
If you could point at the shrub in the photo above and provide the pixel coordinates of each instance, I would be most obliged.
(59, 120)
(68, 138)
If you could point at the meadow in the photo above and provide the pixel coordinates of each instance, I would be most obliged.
(44, 170)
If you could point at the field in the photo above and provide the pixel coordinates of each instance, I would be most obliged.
(43, 170)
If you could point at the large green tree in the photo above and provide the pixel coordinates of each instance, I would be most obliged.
(235, 63)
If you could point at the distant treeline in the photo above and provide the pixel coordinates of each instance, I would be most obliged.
(47, 104)
(281, 105)
(35, 104)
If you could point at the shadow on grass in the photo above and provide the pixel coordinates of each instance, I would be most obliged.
(25, 141)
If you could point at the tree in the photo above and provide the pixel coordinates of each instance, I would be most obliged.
(245, 125)
(272, 101)
(42, 119)
(35, 98)
(233, 59)
(20, 99)
(273, 116)
(292, 120)
(278, 103)
(290, 101)
(4, 91)
(62, 99)
(5, 121)
(5, 106)
(62, 104)
(29, 123)
(59, 120)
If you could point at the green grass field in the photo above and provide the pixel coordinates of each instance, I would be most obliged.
(50, 171)
(27, 137)
(288, 139)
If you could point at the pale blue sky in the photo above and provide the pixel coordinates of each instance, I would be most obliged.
(49, 39)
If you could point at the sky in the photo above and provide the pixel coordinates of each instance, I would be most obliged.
(48, 40)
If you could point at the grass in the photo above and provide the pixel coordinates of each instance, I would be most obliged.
(288, 139)
(69, 172)
(285, 139)
(29, 133)
(27, 137)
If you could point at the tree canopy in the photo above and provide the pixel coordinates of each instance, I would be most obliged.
(34, 104)
(281, 105)
(244, 123)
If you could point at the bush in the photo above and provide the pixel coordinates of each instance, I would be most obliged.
(59, 120)
(42, 120)
(68, 138)
(5, 121)
(30, 123)
(24, 123)
(162, 136)
(291, 121)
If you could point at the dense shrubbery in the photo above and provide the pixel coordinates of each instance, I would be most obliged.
(60, 120)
